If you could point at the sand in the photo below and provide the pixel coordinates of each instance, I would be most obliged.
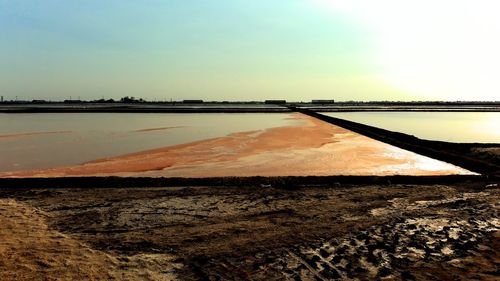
(19, 135)
(311, 148)
(157, 129)
(30, 250)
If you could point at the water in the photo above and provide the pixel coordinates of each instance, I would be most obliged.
(196, 145)
(464, 127)
(33, 141)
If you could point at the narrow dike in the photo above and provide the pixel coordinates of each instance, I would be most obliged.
(459, 154)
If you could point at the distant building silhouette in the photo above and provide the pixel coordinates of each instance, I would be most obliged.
(38, 101)
(275, 101)
(192, 101)
(323, 101)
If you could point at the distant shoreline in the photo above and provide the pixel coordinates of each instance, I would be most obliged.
(208, 107)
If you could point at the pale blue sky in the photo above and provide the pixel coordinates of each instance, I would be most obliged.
(180, 49)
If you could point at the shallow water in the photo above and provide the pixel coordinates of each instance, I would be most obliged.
(465, 127)
(198, 145)
(33, 141)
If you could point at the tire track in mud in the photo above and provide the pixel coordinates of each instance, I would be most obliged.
(365, 232)
(389, 251)
(454, 243)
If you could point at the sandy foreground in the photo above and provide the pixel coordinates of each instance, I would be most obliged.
(313, 148)
(30, 250)
(364, 232)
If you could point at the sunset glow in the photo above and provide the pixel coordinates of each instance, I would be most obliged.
(242, 50)
(441, 50)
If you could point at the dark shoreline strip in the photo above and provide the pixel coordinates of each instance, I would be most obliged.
(241, 107)
(455, 153)
(225, 110)
(288, 182)
(145, 110)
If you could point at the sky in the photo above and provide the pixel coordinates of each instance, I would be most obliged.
(296, 50)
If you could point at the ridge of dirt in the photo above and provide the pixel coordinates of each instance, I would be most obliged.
(31, 250)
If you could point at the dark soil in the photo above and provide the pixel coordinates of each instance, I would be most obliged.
(337, 231)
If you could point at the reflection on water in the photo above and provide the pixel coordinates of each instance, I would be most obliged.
(33, 141)
(207, 145)
(481, 127)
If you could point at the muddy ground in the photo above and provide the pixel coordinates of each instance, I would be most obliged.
(262, 232)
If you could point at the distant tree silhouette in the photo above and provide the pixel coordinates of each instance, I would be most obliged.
(128, 99)
(104, 101)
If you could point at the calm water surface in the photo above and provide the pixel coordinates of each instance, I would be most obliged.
(32, 141)
(483, 127)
